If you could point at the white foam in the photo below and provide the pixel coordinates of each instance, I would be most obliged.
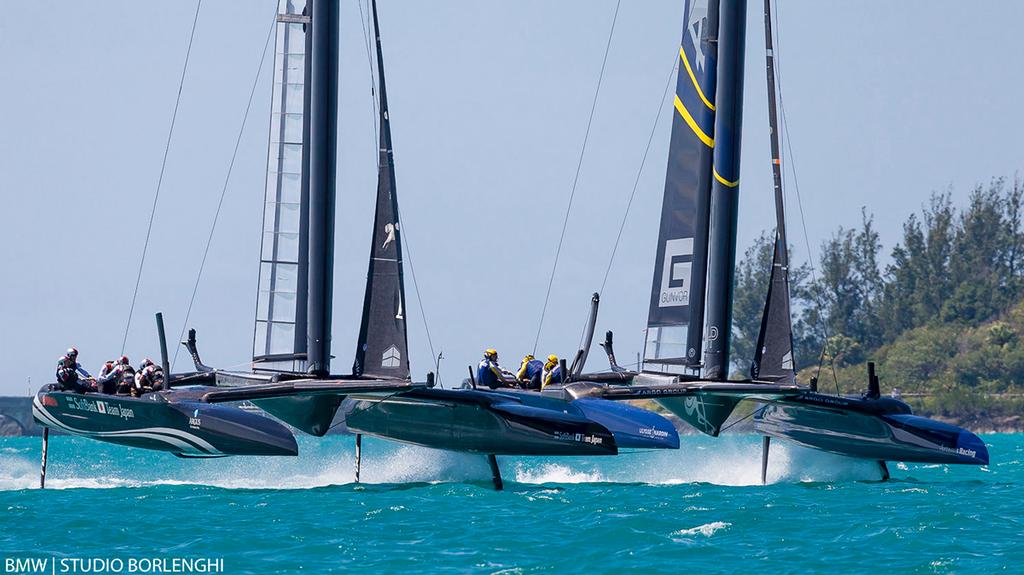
(707, 530)
(733, 460)
(555, 473)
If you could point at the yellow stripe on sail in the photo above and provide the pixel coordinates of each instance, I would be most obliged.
(724, 181)
(693, 78)
(708, 140)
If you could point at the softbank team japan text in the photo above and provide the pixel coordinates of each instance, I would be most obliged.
(157, 565)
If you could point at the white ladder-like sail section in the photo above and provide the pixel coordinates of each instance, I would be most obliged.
(280, 334)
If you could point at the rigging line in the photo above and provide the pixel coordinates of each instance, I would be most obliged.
(576, 178)
(160, 180)
(415, 284)
(744, 418)
(800, 206)
(227, 179)
(643, 162)
(369, 61)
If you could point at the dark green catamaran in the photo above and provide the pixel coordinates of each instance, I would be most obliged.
(691, 298)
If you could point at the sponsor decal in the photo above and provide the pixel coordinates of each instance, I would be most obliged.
(195, 422)
(102, 407)
(825, 400)
(675, 273)
(578, 437)
(652, 432)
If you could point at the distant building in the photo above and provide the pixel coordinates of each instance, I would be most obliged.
(16, 417)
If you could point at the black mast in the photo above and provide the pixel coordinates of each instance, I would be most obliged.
(382, 347)
(323, 127)
(725, 187)
(773, 355)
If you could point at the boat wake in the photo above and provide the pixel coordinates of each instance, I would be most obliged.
(728, 461)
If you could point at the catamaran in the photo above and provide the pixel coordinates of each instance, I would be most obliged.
(292, 338)
(296, 265)
(691, 297)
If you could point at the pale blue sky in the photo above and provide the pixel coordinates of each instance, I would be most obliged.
(886, 102)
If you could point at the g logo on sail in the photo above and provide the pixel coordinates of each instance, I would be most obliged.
(675, 274)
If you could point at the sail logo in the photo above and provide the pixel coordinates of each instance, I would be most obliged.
(389, 234)
(676, 272)
(195, 422)
(391, 358)
(695, 22)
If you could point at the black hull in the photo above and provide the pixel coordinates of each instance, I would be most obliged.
(878, 429)
(507, 422)
(184, 428)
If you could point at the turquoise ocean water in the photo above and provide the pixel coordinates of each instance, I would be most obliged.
(700, 509)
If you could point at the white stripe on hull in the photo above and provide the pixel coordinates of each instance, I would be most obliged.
(169, 436)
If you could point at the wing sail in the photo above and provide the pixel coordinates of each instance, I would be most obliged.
(676, 316)
(279, 342)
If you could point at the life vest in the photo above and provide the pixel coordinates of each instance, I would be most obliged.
(67, 375)
(487, 373)
(125, 379)
(531, 372)
(552, 375)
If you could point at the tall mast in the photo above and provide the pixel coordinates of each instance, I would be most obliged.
(323, 129)
(773, 354)
(773, 123)
(382, 348)
(725, 187)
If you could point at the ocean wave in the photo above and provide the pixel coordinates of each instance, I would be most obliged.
(707, 530)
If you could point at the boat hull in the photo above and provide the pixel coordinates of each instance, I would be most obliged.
(491, 422)
(845, 429)
(187, 428)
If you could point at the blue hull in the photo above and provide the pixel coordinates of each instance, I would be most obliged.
(885, 437)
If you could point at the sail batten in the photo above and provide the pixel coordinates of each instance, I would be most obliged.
(382, 349)
(675, 319)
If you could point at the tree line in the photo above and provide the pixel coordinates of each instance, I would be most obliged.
(944, 311)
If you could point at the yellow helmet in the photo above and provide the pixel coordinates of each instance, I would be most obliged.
(528, 357)
(491, 353)
(552, 359)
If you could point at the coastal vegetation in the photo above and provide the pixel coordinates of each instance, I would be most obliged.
(943, 318)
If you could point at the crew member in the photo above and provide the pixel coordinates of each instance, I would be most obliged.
(530, 371)
(149, 378)
(70, 375)
(125, 376)
(490, 374)
(552, 372)
(107, 380)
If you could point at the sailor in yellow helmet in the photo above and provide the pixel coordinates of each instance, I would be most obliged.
(530, 371)
(489, 373)
(552, 372)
